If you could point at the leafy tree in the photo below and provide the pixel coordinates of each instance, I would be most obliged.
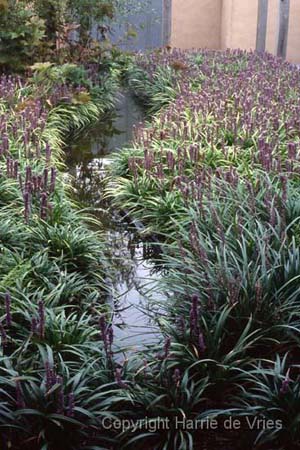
(21, 33)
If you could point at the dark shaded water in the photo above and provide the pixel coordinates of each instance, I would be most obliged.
(88, 159)
(89, 155)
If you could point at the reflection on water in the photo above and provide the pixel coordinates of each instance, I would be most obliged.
(88, 156)
(87, 159)
(135, 274)
(135, 29)
(148, 27)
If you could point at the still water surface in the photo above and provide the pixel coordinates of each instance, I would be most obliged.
(88, 159)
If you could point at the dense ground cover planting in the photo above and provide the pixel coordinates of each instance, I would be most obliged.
(215, 174)
(52, 266)
(34, 206)
(61, 386)
(240, 114)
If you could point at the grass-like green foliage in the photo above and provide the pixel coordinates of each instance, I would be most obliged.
(56, 368)
(276, 389)
(215, 174)
(240, 116)
(45, 244)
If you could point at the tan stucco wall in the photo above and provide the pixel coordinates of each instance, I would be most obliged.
(293, 53)
(196, 23)
(239, 23)
(223, 24)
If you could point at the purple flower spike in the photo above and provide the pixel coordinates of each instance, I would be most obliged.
(28, 174)
(110, 339)
(194, 315)
(167, 346)
(118, 378)
(16, 169)
(41, 323)
(45, 179)
(292, 150)
(5, 143)
(44, 206)
(50, 376)
(176, 377)
(27, 206)
(285, 384)
(48, 153)
(201, 343)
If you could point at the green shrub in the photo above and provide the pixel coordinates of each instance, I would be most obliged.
(21, 34)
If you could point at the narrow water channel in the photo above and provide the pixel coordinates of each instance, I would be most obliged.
(88, 159)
